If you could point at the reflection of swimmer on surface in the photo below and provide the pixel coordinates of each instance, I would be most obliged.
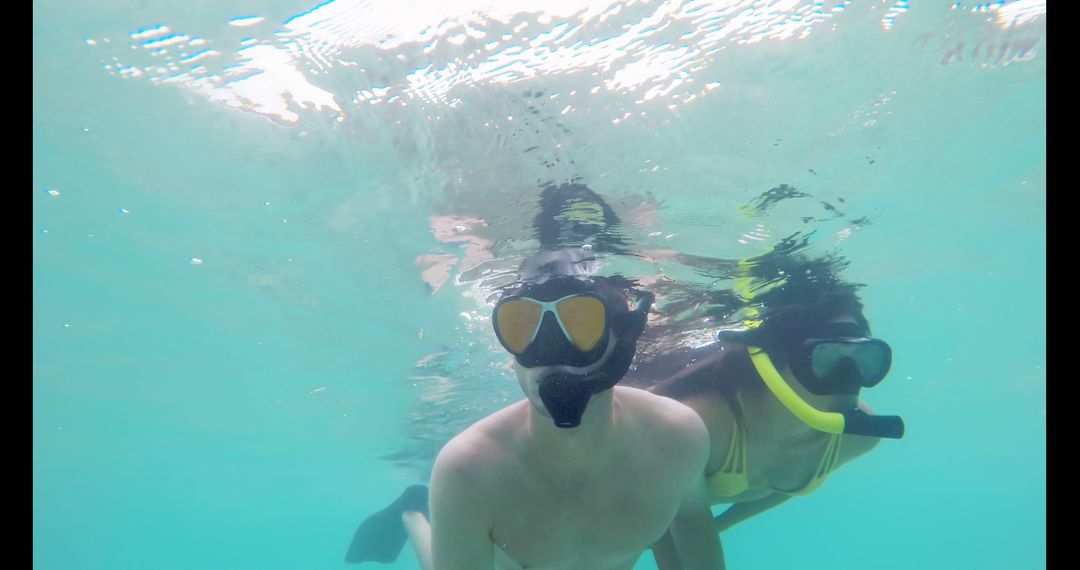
(569, 214)
(435, 268)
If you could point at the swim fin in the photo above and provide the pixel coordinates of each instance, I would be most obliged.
(381, 536)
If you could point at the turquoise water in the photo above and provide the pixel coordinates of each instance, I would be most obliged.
(236, 357)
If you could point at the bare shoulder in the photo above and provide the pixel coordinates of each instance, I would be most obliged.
(471, 464)
(665, 419)
(660, 407)
(482, 443)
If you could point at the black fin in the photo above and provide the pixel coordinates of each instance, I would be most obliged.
(381, 536)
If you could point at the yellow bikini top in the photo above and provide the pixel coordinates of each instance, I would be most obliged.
(733, 476)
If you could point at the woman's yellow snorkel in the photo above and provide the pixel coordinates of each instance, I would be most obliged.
(854, 421)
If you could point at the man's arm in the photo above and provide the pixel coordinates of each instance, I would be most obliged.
(460, 527)
(693, 533)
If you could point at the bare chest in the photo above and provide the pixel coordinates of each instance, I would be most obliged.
(599, 520)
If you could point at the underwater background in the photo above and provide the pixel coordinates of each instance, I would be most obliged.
(264, 235)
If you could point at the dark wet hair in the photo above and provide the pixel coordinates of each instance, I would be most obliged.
(792, 293)
(571, 264)
(797, 294)
(575, 227)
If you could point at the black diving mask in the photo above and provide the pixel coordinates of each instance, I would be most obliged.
(840, 358)
(571, 322)
(563, 321)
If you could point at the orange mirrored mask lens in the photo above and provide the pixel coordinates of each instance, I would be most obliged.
(583, 318)
(517, 321)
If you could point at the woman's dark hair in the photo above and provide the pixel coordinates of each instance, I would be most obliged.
(796, 294)
(790, 292)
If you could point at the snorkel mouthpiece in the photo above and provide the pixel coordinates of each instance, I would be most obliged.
(565, 397)
(858, 422)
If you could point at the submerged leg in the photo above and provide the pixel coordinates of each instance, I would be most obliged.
(667, 557)
(420, 536)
